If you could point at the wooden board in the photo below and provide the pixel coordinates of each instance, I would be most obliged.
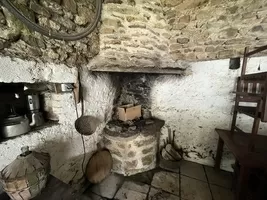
(99, 166)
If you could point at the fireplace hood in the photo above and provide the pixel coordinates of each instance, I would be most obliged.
(138, 64)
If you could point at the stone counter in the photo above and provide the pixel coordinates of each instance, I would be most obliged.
(134, 151)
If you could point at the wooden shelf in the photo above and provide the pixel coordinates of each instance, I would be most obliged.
(238, 144)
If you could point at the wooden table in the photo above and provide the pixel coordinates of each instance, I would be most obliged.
(55, 190)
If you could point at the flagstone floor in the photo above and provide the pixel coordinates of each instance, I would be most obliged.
(190, 181)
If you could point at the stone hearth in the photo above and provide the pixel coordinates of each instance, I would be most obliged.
(133, 150)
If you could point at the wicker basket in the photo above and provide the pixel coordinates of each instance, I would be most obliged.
(26, 176)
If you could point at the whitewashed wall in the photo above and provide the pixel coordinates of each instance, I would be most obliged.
(193, 106)
(62, 141)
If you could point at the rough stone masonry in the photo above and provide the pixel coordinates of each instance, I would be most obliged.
(137, 33)
(68, 16)
(158, 33)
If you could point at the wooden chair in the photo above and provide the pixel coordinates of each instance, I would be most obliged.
(250, 149)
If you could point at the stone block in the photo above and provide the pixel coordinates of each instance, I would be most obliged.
(187, 50)
(179, 26)
(70, 5)
(220, 178)
(193, 170)
(167, 181)
(263, 21)
(222, 193)
(249, 15)
(117, 164)
(147, 150)
(146, 141)
(258, 28)
(198, 49)
(131, 2)
(166, 35)
(194, 189)
(159, 194)
(201, 56)
(210, 49)
(116, 152)
(228, 33)
(190, 56)
(174, 47)
(115, 23)
(132, 191)
(148, 160)
(182, 40)
(226, 54)
(162, 47)
(107, 30)
(131, 154)
(144, 177)
(37, 8)
(232, 10)
(113, 1)
(84, 15)
(184, 19)
(131, 164)
(142, 26)
(236, 41)
(112, 42)
(129, 10)
(171, 3)
(93, 196)
(177, 56)
(136, 186)
(109, 186)
(64, 22)
(2, 18)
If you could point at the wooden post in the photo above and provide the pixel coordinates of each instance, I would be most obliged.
(242, 186)
(219, 154)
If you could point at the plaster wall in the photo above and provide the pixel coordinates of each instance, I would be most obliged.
(62, 141)
(194, 105)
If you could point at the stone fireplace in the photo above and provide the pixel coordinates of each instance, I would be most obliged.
(133, 143)
(133, 151)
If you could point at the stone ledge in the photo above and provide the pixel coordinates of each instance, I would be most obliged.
(150, 70)
(17, 70)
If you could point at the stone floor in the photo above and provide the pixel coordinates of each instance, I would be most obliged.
(190, 181)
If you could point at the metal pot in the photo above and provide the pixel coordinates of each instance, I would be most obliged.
(33, 102)
(15, 125)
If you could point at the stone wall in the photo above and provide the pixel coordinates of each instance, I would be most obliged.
(66, 16)
(137, 34)
(134, 34)
(134, 151)
(215, 29)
